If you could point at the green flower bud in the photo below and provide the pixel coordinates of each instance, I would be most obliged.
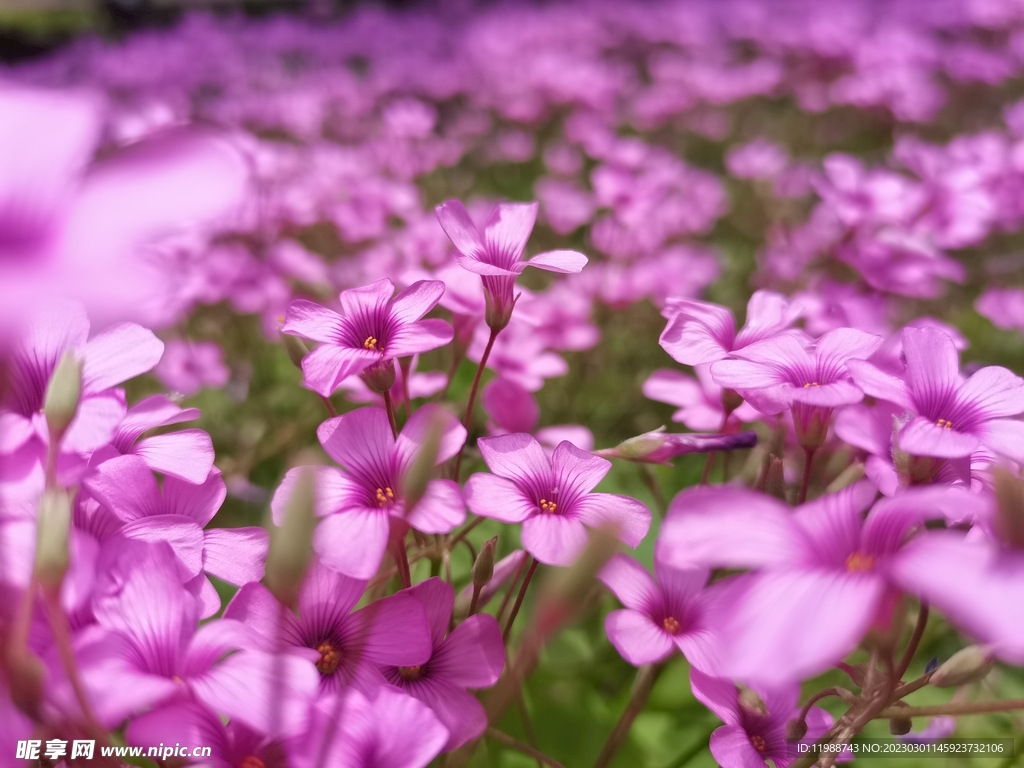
(1009, 522)
(291, 543)
(968, 665)
(62, 395)
(775, 480)
(751, 701)
(796, 729)
(295, 348)
(483, 567)
(52, 532)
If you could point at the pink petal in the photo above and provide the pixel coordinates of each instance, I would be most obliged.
(923, 437)
(126, 487)
(933, 366)
(631, 583)
(458, 711)
(630, 517)
(511, 407)
(473, 655)
(832, 523)
(869, 429)
(413, 434)
(416, 300)
(421, 336)
(991, 393)
(454, 220)
(269, 693)
(183, 535)
(213, 640)
(335, 491)
(437, 598)
(372, 299)
(312, 321)
(673, 387)
(391, 632)
(254, 606)
(807, 621)
(198, 502)
(235, 555)
(153, 411)
(517, 457)
(717, 694)
(730, 528)
(353, 542)
(327, 366)
(828, 395)
(698, 333)
(680, 585)
(565, 262)
(118, 354)
(497, 498)
(744, 375)
(187, 454)
(361, 441)
(441, 509)
(834, 349)
(730, 745)
(413, 736)
(1004, 436)
(576, 471)
(95, 423)
(767, 314)
(553, 539)
(637, 638)
(877, 383)
(507, 231)
(183, 722)
(478, 267)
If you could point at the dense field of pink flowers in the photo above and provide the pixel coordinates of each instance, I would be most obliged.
(568, 384)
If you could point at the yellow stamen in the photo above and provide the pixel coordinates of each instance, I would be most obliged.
(759, 744)
(859, 562)
(548, 507)
(385, 496)
(329, 659)
(810, 384)
(944, 423)
(671, 625)
(370, 343)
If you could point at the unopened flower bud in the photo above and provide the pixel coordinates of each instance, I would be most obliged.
(26, 678)
(751, 701)
(900, 726)
(62, 395)
(968, 665)
(483, 566)
(53, 530)
(498, 308)
(810, 423)
(421, 471)
(296, 349)
(1009, 522)
(660, 447)
(380, 377)
(774, 479)
(504, 570)
(291, 543)
(796, 729)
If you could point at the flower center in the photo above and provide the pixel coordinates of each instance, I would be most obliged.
(548, 507)
(329, 659)
(759, 744)
(859, 562)
(411, 673)
(671, 625)
(385, 497)
(370, 344)
(252, 762)
(808, 385)
(944, 423)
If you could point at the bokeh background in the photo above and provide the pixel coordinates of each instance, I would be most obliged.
(358, 118)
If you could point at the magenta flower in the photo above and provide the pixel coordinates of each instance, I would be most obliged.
(361, 500)
(393, 730)
(699, 399)
(673, 613)
(1003, 306)
(189, 366)
(700, 332)
(176, 513)
(951, 417)
(551, 497)
(349, 647)
(823, 575)
(496, 253)
(781, 373)
(749, 739)
(471, 656)
(514, 409)
(372, 330)
(145, 651)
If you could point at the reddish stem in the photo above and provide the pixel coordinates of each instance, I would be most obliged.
(806, 481)
(519, 599)
(390, 408)
(472, 395)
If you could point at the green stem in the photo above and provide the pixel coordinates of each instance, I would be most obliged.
(472, 396)
(519, 599)
(645, 679)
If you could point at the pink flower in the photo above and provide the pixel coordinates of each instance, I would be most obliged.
(552, 497)
(496, 253)
(700, 332)
(951, 417)
(514, 409)
(471, 656)
(1003, 306)
(780, 373)
(360, 500)
(749, 739)
(699, 399)
(673, 613)
(349, 647)
(822, 575)
(372, 330)
(188, 366)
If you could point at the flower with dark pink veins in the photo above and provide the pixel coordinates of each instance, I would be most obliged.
(822, 575)
(145, 650)
(701, 332)
(673, 613)
(552, 497)
(781, 373)
(361, 501)
(349, 647)
(951, 417)
(392, 730)
(373, 329)
(750, 737)
(496, 253)
(471, 656)
(699, 400)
